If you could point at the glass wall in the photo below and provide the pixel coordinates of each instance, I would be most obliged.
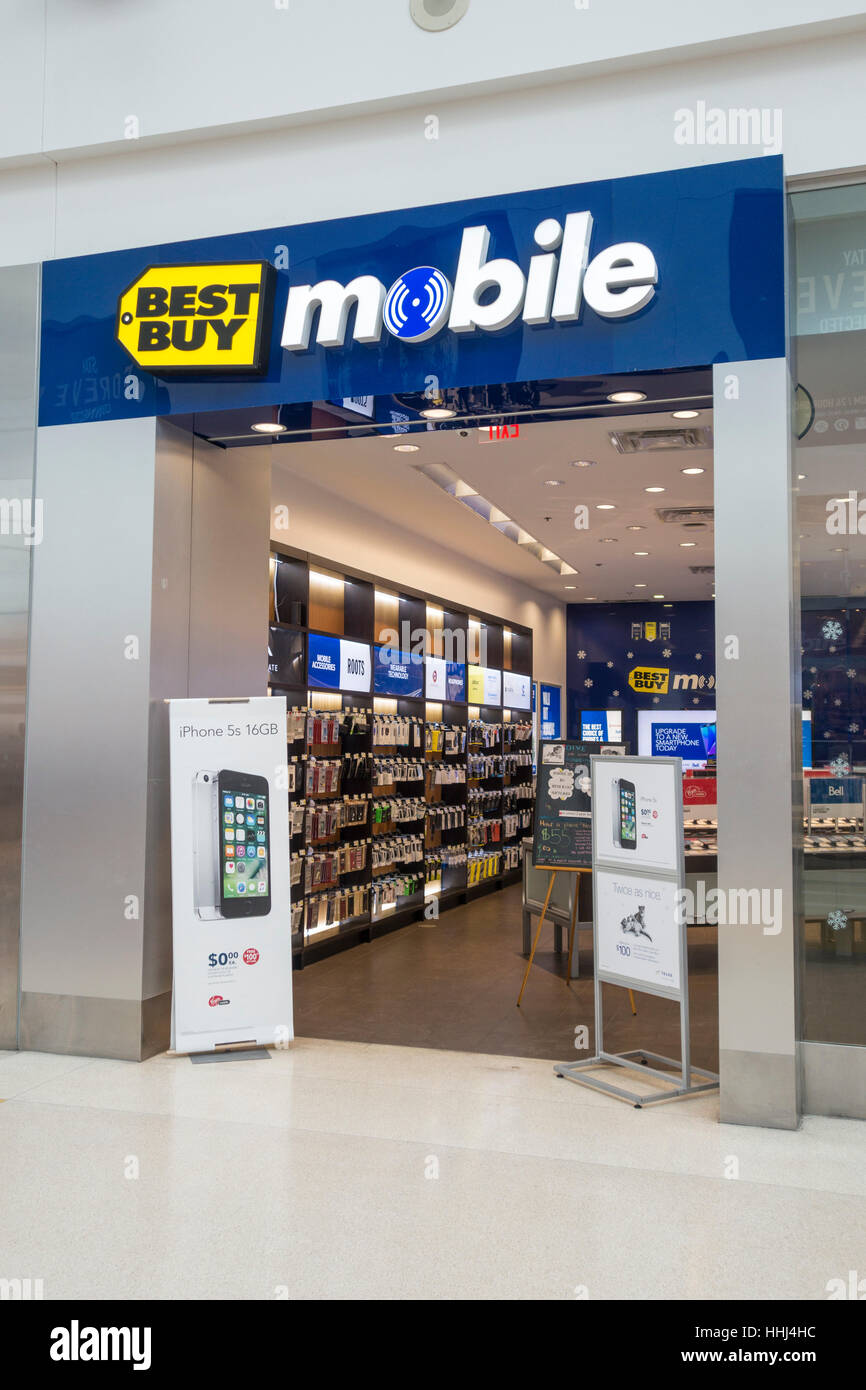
(829, 324)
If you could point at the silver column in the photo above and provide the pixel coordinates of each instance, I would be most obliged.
(19, 337)
(159, 540)
(759, 778)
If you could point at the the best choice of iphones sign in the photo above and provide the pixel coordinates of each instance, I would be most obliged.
(231, 919)
(648, 273)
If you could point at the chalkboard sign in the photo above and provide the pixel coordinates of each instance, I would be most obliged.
(563, 804)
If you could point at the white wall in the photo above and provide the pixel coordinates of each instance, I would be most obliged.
(326, 525)
(614, 119)
(74, 73)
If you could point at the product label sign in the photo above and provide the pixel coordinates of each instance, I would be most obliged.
(445, 680)
(637, 930)
(636, 814)
(232, 968)
(516, 691)
(198, 318)
(398, 673)
(334, 663)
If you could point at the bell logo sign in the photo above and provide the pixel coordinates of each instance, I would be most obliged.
(487, 294)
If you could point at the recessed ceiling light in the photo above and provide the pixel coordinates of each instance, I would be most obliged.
(685, 544)
(685, 414)
(439, 412)
(668, 605)
(658, 595)
(712, 596)
(640, 586)
(269, 427)
(626, 397)
(406, 448)
(691, 471)
(583, 463)
(553, 482)
(635, 528)
(590, 598)
(653, 489)
(570, 586)
(801, 476)
(608, 540)
(640, 552)
(605, 507)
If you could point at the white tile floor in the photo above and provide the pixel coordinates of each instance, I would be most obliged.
(313, 1173)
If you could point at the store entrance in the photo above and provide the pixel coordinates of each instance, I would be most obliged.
(512, 576)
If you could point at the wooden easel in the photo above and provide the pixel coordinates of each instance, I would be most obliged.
(572, 931)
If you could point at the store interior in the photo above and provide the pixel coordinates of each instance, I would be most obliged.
(450, 580)
(500, 558)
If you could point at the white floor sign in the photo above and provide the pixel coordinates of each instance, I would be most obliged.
(230, 873)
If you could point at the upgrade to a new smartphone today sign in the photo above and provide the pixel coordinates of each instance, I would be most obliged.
(231, 916)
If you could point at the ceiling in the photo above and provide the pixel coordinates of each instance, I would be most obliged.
(514, 474)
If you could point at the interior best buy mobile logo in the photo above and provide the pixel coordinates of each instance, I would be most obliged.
(650, 678)
(198, 319)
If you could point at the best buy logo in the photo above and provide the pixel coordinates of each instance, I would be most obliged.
(198, 319)
(650, 679)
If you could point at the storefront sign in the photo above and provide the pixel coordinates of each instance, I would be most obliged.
(229, 873)
(198, 318)
(333, 663)
(651, 272)
(699, 791)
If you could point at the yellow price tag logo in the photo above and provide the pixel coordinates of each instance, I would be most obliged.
(198, 319)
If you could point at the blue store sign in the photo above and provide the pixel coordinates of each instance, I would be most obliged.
(654, 272)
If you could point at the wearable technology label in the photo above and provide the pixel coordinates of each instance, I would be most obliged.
(398, 673)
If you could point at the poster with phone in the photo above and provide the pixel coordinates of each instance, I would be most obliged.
(636, 929)
(637, 807)
(231, 919)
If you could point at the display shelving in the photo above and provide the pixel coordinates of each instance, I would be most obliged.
(389, 807)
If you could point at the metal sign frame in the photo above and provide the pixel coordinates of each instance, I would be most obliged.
(640, 1059)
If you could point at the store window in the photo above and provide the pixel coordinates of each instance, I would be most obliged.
(829, 320)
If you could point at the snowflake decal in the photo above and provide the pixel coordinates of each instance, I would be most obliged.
(666, 652)
(850, 673)
(813, 670)
(581, 656)
(807, 694)
(655, 699)
(616, 694)
(854, 728)
(837, 920)
(696, 700)
(837, 702)
(698, 656)
(827, 733)
(831, 650)
(610, 665)
(840, 765)
(630, 655)
(588, 683)
(832, 630)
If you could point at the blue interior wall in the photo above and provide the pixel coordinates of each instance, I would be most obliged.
(604, 648)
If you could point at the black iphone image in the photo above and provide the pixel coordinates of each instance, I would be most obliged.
(627, 825)
(244, 845)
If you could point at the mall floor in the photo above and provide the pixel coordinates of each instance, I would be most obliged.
(337, 1170)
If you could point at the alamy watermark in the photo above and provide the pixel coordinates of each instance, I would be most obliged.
(21, 516)
(715, 125)
(731, 907)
